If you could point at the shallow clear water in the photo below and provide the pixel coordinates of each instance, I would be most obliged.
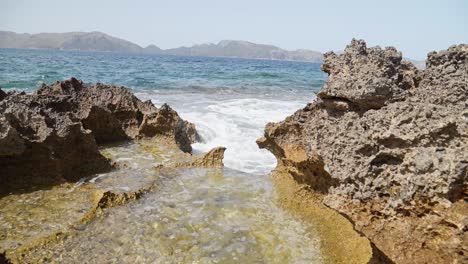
(195, 215)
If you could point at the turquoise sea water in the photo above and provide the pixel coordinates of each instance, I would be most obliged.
(230, 100)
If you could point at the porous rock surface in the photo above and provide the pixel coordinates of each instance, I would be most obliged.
(387, 146)
(40, 141)
(113, 113)
(53, 133)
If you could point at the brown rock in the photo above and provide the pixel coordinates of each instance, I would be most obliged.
(41, 144)
(113, 114)
(386, 146)
(165, 121)
(212, 159)
(51, 135)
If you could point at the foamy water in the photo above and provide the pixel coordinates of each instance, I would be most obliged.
(230, 100)
(232, 123)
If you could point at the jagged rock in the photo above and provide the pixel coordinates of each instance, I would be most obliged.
(52, 134)
(167, 122)
(386, 145)
(211, 159)
(444, 80)
(40, 142)
(113, 113)
(367, 77)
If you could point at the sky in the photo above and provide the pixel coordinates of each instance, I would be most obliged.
(415, 27)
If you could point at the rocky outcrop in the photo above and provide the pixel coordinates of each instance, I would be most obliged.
(39, 137)
(52, 135)
(113, 114)
(166, 121)
(386, 145)
(211, 159)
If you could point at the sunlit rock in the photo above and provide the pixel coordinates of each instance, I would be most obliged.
(385, 144)
(211, 159)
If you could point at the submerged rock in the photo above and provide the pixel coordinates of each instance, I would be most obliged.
(52, 135)
(386, 145)
(211, 159)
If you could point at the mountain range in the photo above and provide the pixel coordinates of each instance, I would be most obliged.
(98, 41)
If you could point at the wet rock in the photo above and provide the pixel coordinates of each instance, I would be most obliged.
(212, 159)
(167, 122)
(386, 146)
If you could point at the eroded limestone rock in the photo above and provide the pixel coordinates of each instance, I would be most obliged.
(41, 142)
(211, 159)
(386, 145)
(113, 114)
(52, 135)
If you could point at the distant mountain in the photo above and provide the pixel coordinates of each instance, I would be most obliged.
(419, 64)
(97, 41)
(245, 49)
(153, 49)
(84, 41)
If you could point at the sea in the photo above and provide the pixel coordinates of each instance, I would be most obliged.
(230, 100)
(200, 215)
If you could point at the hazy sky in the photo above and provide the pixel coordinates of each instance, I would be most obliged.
(413, 26)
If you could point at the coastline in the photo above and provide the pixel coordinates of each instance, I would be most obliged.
(385, 146)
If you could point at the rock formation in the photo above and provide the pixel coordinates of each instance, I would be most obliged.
(386, 145)
(40, 141)
(211, 159)
(113, 113)
(53, 134)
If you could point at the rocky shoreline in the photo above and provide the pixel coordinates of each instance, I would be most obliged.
(53, 135)
(54, 150)
(378, 163)
(385, 145)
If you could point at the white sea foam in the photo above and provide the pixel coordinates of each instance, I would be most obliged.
(234, 124)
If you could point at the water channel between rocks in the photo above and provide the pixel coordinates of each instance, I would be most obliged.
(195, 216)
(192, 215)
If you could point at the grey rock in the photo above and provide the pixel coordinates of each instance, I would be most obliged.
(386, 145)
